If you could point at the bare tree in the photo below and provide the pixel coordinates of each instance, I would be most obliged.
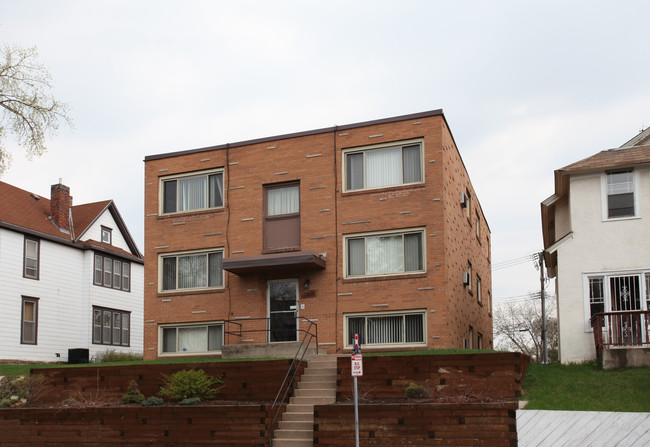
(27, 108)
(518, 327)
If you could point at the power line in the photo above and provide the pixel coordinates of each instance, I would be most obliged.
(517, 261)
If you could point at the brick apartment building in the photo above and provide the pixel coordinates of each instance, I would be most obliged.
(371, 228)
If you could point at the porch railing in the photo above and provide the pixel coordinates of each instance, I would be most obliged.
(623, 329)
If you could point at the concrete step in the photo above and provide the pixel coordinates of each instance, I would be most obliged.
(295, 425)
(299, 416)
(322, 384)
(292, 442)
(313, 400)
(315, 392)
(299, 408)
(294, 434)
(325, 371)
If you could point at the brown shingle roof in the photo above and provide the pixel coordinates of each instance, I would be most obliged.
(611, 159)
(26, 212)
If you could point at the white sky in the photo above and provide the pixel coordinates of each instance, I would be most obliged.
(526, 86)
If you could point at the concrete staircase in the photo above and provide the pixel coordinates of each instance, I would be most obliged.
(317, 386)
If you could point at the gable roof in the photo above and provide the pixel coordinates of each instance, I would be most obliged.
(30, 213)
(611, 159)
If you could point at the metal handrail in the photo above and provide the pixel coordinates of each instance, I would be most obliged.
(290, 376)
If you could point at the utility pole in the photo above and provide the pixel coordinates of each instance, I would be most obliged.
(543, 297)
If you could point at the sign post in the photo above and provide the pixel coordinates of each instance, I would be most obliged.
(357, 370)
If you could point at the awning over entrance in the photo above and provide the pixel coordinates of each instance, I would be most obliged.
(272, 262)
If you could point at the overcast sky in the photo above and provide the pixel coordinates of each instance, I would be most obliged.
(527, 87)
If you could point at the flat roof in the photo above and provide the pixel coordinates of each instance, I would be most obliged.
(437, 112)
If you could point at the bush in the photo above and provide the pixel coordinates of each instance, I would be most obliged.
(190, 401)
(415, 391)
(111, 355)
(190, 383)
(133, 394)
(152, 401)
(22, 390)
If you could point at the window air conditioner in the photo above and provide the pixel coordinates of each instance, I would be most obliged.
(463, 199)
(466, 278)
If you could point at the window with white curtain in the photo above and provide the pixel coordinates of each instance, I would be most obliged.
(384, 253)
(192, 270)
(192, 192)
(378, 167)
(281, 216)
(384, 328)
(191, 338)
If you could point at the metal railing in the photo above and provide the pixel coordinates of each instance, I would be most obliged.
(622, 329)
(309, 334)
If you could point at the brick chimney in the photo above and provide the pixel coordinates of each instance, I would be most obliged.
(60, 203)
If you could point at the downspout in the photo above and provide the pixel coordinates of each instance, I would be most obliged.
(336, 240)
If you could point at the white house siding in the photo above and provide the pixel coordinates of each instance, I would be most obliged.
(120, 300)
(95, 231)
(596, 246)
(66, 295)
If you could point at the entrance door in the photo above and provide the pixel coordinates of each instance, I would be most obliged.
(625, 294)
(283, 310)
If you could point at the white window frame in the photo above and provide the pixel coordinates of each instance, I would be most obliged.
(107, 235)
(163, 256)
(643, 292)
(161, 191)
(365, 149)
(205, 324)
(605, 196)
(401, 232)
(403, 313)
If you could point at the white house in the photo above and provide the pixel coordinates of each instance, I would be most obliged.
(72, 278)
(597, 248)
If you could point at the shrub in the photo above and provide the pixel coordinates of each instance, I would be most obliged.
(111, 355)
(415, 391)
(133, 394)
(190, 383)
(190, 401)
(22, 390)
(152, 401)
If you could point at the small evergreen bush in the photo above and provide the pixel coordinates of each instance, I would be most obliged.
(152, 401)
(190, 383)
(133, 394)
(415, 391)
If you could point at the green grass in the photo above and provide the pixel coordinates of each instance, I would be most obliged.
(24, 369)
(586, 387)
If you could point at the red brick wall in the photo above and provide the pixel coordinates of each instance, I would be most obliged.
(327, 215)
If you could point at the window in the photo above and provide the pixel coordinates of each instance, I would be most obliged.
(477, 223)
(620, 194)
(385, 253)
(282, 216)
(647, 290)
(192, 192)
(29, 321)
(111, 327)
(31, 258)
(112, 273)
(479, 341)
(386, 328)
(478, 290)
(469, 276)
(470, 338)
(377, 167)
(107, 237)
(195, 270)
(191, 338)
(468, 204)
(596, 296)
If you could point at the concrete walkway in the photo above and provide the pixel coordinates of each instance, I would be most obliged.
(541, 428)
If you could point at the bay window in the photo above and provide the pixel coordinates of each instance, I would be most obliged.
(112, 273)
(377, 167)
(111, 327)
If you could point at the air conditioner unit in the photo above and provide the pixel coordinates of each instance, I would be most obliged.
(463, 199)
(466, 278)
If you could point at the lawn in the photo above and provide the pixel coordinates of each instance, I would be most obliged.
(586, 387)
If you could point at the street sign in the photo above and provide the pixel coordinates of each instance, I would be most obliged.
(357, 365)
